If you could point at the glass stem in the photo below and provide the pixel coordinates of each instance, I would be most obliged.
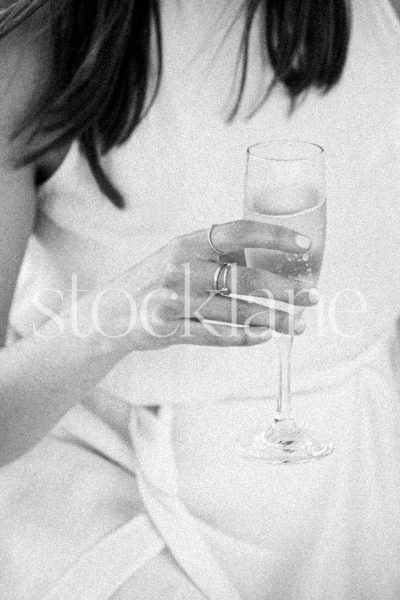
(283, 416)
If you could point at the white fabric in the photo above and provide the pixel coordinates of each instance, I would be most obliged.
(352, 550)
(107, 565)
(328, 530)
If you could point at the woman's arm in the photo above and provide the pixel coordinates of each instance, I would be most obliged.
(20, 77)
(22, 74)
(39, 378)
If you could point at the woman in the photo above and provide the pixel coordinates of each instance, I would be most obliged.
(121, 500)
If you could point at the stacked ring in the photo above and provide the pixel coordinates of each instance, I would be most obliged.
(223, 269)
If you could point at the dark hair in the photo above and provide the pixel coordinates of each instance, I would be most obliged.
(104, 83)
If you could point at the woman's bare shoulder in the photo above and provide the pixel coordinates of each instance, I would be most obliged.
(25, 59)
(25, 69)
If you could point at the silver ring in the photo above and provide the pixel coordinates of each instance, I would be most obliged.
(224, 268)
(213, 248)
(225, 289)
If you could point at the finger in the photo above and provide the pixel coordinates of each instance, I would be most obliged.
(237, 235)
(206, 334)
(237, 312)
(254, 282)
(237, 258)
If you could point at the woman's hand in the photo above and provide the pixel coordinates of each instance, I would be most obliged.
(158, 302)
(166, 298)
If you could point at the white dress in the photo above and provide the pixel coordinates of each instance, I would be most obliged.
(235, 529)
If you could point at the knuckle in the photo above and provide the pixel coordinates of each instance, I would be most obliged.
(160, 318)
(241, 313)
(279, 235)
(157, 315)
(170, 312)
(251, 280)
(240, 229)
(234, 231)
(172, 276)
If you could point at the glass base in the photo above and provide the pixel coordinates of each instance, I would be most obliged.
(283, 443)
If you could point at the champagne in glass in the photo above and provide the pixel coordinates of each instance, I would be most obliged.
(285, 185)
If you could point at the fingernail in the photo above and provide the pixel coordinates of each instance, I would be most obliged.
(302, 242)
(299, 326)
(313, 295)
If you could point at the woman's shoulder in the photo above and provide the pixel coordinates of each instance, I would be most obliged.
(25, 68)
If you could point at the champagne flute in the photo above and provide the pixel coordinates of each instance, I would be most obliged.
(285, 185)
